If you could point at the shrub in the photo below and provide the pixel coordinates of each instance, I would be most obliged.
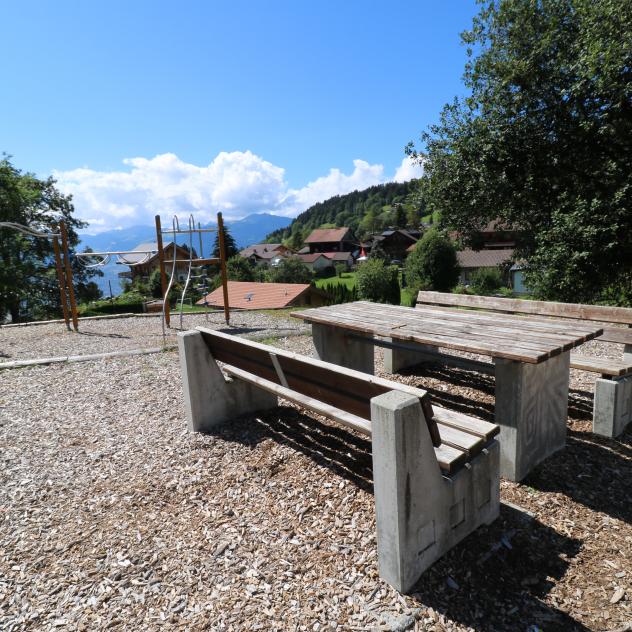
(486, 281)
(239, 269)
(291, 270)
(433, 264)
(338, 293)
(378, 283)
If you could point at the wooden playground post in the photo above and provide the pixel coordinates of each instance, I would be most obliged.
(222, 265)
(71, 290)
(163, 273)
(61, 281)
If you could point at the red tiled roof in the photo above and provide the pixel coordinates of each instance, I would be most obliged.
(484, 258)
(310, 258)
(326, 235)
(262, 295)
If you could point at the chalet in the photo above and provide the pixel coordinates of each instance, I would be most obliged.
(250, 295)
(141, 266)
(265, 254)
(330, 240)
(395, 242)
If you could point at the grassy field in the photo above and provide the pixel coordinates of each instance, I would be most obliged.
(347, 278)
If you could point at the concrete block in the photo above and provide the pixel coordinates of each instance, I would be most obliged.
(420, 513)
(531, 410)
(612, 410)
(209, 397)
(627, 353)
(333, 345)
(397, 359)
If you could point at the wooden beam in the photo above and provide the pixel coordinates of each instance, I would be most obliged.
(222, 265)
(68, 267)
(61, 280)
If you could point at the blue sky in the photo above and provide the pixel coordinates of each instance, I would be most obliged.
(234, 105)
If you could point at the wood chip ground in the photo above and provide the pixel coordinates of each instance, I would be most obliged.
(113, 516)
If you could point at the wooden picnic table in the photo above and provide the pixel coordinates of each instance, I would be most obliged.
(531, 361)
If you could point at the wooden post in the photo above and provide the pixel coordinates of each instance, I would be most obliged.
(62, 282)
(71, 290)
(163, 274)
(222, 265)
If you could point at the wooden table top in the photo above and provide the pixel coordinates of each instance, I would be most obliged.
(518, 338)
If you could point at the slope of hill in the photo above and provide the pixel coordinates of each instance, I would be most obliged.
(363, 211)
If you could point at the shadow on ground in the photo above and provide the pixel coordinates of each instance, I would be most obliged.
(475, 584)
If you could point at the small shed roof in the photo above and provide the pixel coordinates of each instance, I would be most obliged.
(250, 295)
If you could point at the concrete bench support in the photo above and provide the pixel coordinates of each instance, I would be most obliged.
(209, 397)
(627, 353)
(420, 513)
(612, 410)
(397, 359)
(531, 410)
(333, 345)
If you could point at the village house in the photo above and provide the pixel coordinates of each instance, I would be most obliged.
(471, 261)
(269, 255)
(320, 260)
(396, 243)
(331, 240)
(141, 267)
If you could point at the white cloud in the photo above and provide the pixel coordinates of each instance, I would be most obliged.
(236, 183)
(408, 170)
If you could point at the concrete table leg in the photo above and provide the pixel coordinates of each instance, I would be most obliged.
(397, 359)
(333, 345)
(210, 398)
(531, 410)
(612, 410)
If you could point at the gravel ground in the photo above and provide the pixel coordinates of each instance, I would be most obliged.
(112, 516)
(101, 336)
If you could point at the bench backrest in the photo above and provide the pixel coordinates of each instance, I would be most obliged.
(602, 313)
(345, 389)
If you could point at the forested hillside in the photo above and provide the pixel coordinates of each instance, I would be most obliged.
(365, 212)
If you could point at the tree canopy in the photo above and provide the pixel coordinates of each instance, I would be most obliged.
(28, 281)
(230, 245)
(544, 142)
(378, 282)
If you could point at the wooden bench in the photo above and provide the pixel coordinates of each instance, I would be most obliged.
(436, 472)
(613, 390)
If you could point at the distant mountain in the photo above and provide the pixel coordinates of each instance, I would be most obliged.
(366, 211)
(249, 230)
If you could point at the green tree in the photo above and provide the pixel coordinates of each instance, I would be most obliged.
(239, 269)
(290, 270)
(28, 280)
(543, 141)
(378, 282)
(230, 245)
(399, 216)
(432, 265)
(155, 284)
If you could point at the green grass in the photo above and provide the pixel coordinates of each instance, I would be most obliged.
(347, 278)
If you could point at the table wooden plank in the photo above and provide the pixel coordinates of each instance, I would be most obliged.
(496, 335)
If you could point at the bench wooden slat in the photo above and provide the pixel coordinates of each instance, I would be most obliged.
(478, 427)
(449, 457)
(616, 334)
(464, 441)
(347, 390)
(605, 366)
(601, 313)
